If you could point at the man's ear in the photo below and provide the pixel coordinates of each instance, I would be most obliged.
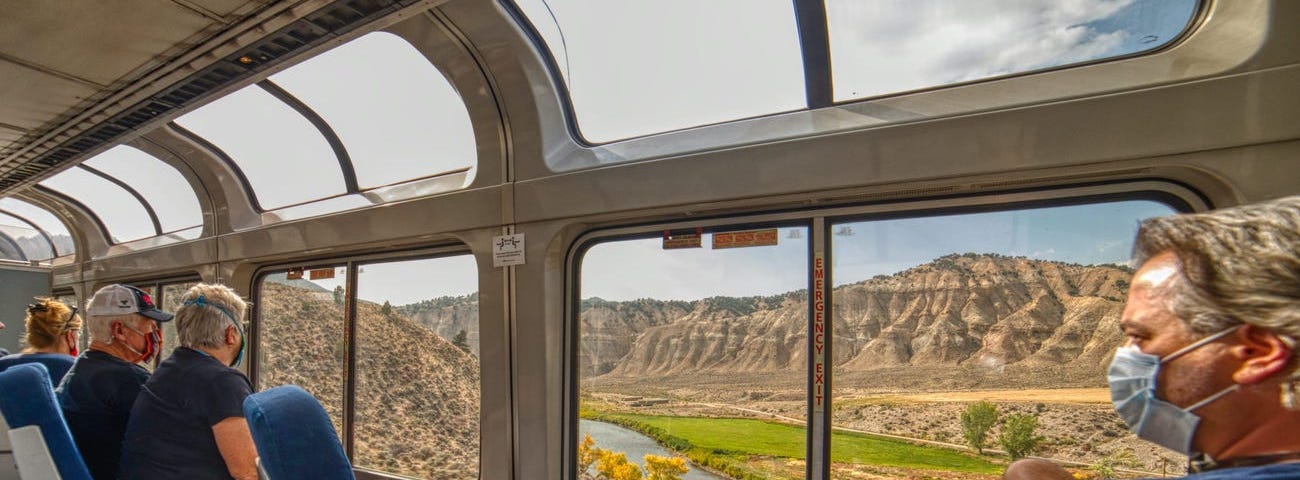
(232, 335)
(1262, 354)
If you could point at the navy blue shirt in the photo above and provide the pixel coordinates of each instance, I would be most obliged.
(57, 363)
(170, 434)
(96, 396)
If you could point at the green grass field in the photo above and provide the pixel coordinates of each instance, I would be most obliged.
(739, 436)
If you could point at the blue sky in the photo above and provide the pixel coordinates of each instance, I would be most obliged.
(1086, 234)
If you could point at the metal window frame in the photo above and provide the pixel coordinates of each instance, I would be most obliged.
(1178, 196)
(44, 234)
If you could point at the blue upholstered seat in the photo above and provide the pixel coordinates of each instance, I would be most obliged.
(42, 445)
(294, 436)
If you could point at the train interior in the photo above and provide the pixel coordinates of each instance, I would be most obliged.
(565, 239)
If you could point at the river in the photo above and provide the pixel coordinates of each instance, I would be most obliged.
(618, 439)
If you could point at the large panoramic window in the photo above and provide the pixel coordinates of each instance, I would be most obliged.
(19, 241)
(167, 192)
(697, 359)
(395, 113)
(44, 220)
(880, 47)
(639, 67)
(1006, 318)
(417, 384)
(122, 213)
(285, 158)
(301, 335)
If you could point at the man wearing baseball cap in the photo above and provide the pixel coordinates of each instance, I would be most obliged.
(99, 390)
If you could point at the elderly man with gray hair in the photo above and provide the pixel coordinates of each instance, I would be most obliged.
(189, 420)
(97, 393)
(1212, 319)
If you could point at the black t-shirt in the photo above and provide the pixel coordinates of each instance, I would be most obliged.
(96, 396)
(170, 433)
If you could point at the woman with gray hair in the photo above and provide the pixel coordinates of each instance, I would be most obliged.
(188, 421)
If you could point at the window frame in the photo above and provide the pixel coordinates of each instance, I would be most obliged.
(351, 263)
(813, 27)
(1179, 197)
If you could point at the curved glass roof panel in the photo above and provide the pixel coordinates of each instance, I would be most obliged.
(167, 192)
(284, 156)
(648, 66)
(30, 242)
(122, 214)
(395, 113)
(43, 219)
(880, 47)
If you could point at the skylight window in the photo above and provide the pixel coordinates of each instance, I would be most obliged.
(122, 214)
(285, 158)
(29, 242)
(648, 66)
(397, 116)
(43, 219)
(879, 47)
(167, 192)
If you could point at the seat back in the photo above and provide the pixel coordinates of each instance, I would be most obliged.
(294, 436)
(8, 468)
(42, 445)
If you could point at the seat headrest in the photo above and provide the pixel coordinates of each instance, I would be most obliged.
(294, 435)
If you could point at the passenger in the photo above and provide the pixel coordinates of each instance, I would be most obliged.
(99, 390)
(3, 351)
(1212, 319)
(51, 337)
(189, 420)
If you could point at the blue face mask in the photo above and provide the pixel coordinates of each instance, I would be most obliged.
(1132, 379)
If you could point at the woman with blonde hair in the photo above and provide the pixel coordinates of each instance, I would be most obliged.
(51, 334)
(188, 421)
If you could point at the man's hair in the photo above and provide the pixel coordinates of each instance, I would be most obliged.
(201, 320)
(1239, 265)
(101, 326)
(47, 321)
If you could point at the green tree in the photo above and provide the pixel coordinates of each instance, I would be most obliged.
(665, 468)
(1018, 435)
(976, 422)
(387, 309)
(461, 340)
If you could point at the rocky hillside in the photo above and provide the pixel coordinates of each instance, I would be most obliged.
(969, 309)
(417, 396)
(447, 316)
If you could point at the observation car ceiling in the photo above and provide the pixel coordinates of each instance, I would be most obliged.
(626, 79)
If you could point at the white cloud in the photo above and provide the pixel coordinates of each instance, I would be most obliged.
(889, 46)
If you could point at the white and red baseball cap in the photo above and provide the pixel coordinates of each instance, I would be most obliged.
(118, 299)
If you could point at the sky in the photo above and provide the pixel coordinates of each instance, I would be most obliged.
(1087, 234)
(626, 61)
(410, 281)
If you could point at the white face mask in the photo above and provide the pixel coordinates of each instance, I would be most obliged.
(1132, 379)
